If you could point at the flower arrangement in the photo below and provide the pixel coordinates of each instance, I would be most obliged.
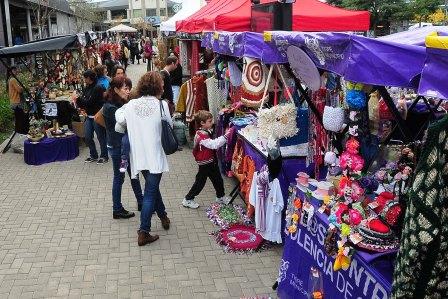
(36, 131)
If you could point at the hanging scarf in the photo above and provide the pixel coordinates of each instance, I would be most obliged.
(263, 193)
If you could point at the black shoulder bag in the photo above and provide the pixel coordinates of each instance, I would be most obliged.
(169, 141)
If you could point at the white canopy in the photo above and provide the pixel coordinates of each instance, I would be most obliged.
(188, 8)
(122, 28)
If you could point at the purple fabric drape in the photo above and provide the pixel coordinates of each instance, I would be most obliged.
(51, 150)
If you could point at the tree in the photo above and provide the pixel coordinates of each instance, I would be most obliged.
(41, 13)
(422, 9)
(438, 17)
(382, 11)
(85, 13)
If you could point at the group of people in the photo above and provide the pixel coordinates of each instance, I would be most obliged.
(133, 50)
(127, 124)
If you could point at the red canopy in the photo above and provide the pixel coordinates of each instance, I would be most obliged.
(308, 15)
(225, 15)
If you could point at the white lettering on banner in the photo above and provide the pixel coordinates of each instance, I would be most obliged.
(379, 288)
(304, 238)
(347, 293)
(297, 284)
(357, 274)
(340, 282)
(368, 280)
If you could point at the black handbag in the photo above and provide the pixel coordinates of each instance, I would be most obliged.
(169, 141)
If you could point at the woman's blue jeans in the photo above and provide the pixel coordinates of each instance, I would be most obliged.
(152, 200)
(117, 183)
(91, 127)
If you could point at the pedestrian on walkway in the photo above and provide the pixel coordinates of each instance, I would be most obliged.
(91, 100)
(148, 53)
(142, 117)
(176, 78)
(125, 53)
(118, 71)
(204, 153)
(117, 96)
(170, 65)
(101, 74)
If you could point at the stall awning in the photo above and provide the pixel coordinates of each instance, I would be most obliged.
(189, 8)
(227, 15)
(434, 74)
(415, 37)
(43, 45)
(354, 57)
(122, 28)
(308, 15)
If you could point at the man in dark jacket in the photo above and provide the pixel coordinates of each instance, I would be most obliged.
(92, 101)
(170, 65)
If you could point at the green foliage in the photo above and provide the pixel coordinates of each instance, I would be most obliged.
(422, 9)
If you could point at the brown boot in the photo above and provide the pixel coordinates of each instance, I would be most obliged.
(145, 238)
(165, 222)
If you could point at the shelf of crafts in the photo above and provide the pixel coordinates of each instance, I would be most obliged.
(368, 276)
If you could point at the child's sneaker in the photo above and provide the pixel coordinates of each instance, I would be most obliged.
(123, 165)
(223, 200)
(190, 204)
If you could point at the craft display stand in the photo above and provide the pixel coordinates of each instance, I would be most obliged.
(368, 276)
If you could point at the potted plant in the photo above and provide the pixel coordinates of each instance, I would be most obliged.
(36, 131)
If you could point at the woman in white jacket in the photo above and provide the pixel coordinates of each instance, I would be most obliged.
(142, 117)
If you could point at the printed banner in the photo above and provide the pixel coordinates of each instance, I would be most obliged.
(305, 249)
(51, 109)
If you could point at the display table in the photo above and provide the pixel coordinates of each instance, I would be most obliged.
(290, 165)
(369, 274)
(51, 150)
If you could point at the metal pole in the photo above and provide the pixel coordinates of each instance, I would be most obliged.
(8, 22)
(28, 24)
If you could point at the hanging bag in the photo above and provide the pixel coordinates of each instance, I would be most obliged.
(333, 118)
(169, 141)
(278, 121)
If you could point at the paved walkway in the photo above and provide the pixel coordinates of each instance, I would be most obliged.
(58, 238)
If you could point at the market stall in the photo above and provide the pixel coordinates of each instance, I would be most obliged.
(57, 66)
(342, 228)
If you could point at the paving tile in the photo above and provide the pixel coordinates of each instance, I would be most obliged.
(59, 239)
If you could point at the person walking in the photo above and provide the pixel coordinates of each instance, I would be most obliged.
(91, 100)
(142, 117)
(204, 152)
(170, 65)
(148, 54)
(109, 62)
(176, 80)
(101, 74)
(125, 53)
(117, 96)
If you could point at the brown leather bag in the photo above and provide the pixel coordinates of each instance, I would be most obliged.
(99, 118)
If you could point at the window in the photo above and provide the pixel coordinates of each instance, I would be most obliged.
(119, 14)
(137, 13)
(151, 12)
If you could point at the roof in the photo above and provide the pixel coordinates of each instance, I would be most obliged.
(43, 45)
(185, 12)
(109, 4)
(60, 5)
(308, 15)
(416, 36)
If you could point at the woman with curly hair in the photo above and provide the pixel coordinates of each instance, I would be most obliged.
(142, 117)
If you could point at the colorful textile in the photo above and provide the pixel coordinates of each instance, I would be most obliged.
(239, 238)
(226, 215)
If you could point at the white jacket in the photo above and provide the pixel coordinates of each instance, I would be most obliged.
(142, 119)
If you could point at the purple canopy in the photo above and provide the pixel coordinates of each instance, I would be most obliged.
(433, 81)
(354, 57)
(243, 44)
(415, 37)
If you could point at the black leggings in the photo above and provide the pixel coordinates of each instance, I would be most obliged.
(211, 171)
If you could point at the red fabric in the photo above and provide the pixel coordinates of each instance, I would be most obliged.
(201, 153)
(308, 15)
(241, 238)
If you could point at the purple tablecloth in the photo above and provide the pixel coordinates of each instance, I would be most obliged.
(369, 274)
(51, 150)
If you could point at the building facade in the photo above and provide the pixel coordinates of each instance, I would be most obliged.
(27, 20)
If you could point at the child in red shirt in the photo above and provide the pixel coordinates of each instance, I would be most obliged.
(204, 152)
